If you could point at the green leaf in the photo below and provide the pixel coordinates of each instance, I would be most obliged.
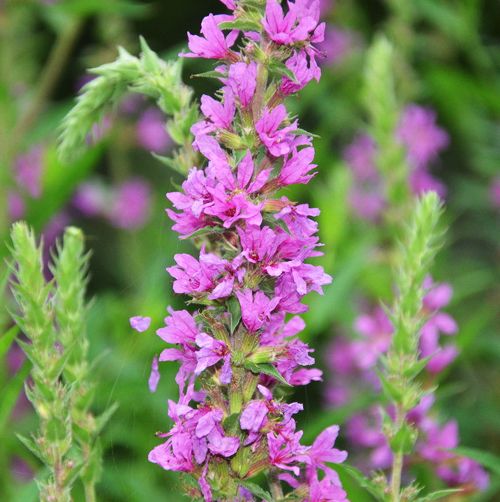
(267, 369)
(486, 459)
(281, 69)
(257, 490)
(404, 439)
(360, 478)
(31, 445)
(104, 418)
(231, 424)
(10, 393)
(7, 339)
(209, 74)
(241, 24)
(235, 311)
(438, 495)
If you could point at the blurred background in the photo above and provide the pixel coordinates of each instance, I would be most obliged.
(446, 87)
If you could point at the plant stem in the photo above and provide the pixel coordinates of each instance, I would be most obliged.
(276, 490)
(397, 463)
(50, 75)
(89, 492)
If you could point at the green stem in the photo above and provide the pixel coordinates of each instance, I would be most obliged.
(397, 463)
(49, 78)
(275, 487)
(90, 492)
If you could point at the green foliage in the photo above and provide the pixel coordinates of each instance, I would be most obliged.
(402, 365)
(381, 102)
(53, 317)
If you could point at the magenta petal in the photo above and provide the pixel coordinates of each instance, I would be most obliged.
(140, 323)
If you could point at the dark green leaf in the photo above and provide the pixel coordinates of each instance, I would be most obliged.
(267, 369)
(257, 490)
(361, 479)
(7, 339)
(11, 392)
(241, 24)
(235, 311)
(281, 69)
(231, 424)
(209, 74)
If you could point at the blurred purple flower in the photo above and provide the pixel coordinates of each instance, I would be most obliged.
(151, 132)
(15, 206)
(154, 377)
(131, 204)
(90, 199)
(140, 323)
(419, 133)
(338, 44)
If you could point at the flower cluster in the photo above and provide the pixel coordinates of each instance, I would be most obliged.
(353, 365)
(422, 141)
(239, 349)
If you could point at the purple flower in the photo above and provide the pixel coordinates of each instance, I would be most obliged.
(151, 132)
(337, 45)
(230, 4)
(286, 29)
(262, 266)
(322, 452)
(219, 115)
(418, 132)
(304, 69)
(176, 454)
(256, 308)
(297, 219)
(253, 416)
(154, 376)
(297, 166)
(131, 205)
(278, 141)
(213, 44)
(211, 352)
(180, 328)
(243, 81)
(140, 323)
(285, 450)
(193, 276)
(15, 206)
(90, 199)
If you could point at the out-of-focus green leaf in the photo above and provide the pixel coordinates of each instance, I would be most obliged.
(6, 340)
(11, 392)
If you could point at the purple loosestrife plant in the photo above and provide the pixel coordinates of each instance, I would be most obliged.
(239, 348)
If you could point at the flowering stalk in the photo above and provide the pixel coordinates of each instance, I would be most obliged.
(147, 75)
(383, 109)
(52, 316)
(402, 364)
(237, 352)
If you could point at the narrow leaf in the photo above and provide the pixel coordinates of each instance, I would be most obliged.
(267, 369)
(257, 490)
(7, 339)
